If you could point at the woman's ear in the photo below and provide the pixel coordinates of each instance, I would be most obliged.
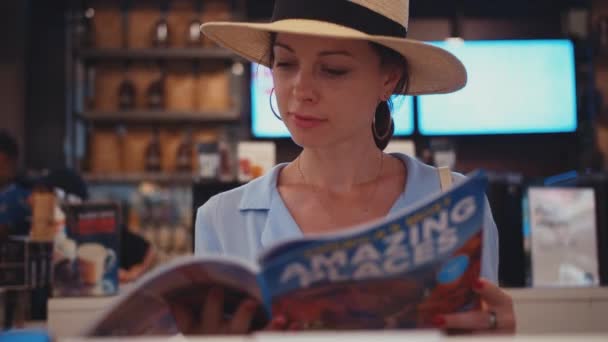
(392, 75)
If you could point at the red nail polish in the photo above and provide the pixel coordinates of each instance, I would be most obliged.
(281, 320)
(438, 321)
(478, 284)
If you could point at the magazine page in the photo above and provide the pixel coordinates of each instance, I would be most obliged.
(397, 272)
(144, 310)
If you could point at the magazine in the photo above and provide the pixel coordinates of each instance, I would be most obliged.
(393, 273)
(85, 262)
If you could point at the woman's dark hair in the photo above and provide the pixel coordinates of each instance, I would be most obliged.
(384, 125)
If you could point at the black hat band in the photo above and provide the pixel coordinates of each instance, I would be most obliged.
(340, 12)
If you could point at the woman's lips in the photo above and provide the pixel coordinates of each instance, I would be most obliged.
(304, 121)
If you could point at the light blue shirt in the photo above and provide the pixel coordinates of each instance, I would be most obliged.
(246, 220)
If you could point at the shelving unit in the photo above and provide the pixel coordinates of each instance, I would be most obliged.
(158, 116)
(179, 178)
(234, 65)
(156, 53)
(123, 49)
(134, 178)
(82, 118)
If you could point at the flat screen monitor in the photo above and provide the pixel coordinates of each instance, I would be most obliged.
(514, 87)
(265, 125)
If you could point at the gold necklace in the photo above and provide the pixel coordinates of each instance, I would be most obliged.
(373, 193)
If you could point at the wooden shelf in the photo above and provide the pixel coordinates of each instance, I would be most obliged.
(162, 116)
(129, 178)
(154, 177)
(157, 53)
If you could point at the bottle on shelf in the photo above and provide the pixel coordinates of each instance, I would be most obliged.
(194, 36)
(125, 8)
(161, 32)
(153, 153)
(226, 172)
(183, 158)
(89, 93)
(155, 95)
(126, 90)
(119, 141)
(84, 32)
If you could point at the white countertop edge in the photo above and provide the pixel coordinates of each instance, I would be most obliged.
(561, 294)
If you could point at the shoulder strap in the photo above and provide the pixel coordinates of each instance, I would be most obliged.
(445, 178)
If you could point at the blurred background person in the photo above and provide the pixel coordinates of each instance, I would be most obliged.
(137, 255)
(15, 211)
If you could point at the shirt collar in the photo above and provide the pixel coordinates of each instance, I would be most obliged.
(258, 194)
(262, 194)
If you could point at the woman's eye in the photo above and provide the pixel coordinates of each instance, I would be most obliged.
(335, 72)
(283, 64)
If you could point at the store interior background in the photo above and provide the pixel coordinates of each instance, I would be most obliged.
(33, 64)
(36, 95)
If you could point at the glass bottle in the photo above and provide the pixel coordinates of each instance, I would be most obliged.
(126, 90)
(155, 95)
(184, 153)
(153, 153)
(84, 32)
(194, 36)
(161, 32)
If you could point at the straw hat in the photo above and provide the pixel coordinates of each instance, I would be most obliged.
(432, 70)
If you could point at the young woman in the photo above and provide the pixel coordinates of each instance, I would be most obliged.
(335, 64)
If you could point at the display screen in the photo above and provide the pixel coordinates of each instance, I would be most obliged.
(560, 236)
(265, 125)
(514, 87)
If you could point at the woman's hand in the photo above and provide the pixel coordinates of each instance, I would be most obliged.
(496, 316)
(211, 320)
(127, 276)
(124, 276)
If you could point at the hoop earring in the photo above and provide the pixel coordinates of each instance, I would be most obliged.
(387, 132)
(272, 108)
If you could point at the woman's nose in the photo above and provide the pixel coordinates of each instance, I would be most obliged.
(303, 88)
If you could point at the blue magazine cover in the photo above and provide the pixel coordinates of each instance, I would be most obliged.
(397, 272)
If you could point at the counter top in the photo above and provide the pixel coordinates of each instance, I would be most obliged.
(555, 293)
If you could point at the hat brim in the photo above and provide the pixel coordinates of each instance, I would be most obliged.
(432, 70)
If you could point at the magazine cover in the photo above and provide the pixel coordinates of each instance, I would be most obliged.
(394, 273)
(85, 261)
(398, 274)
